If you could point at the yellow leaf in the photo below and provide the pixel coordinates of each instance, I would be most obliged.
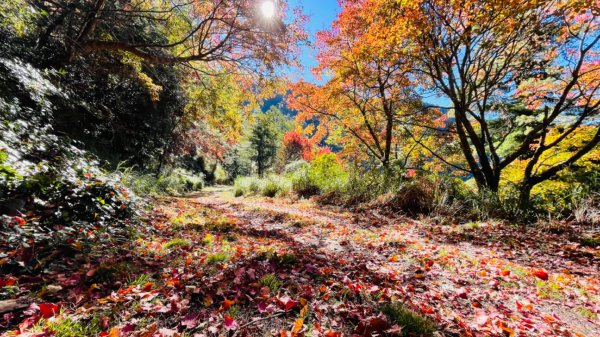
(298, 325)
(303, 311)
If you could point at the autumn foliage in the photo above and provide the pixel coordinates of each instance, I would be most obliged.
(296, 146)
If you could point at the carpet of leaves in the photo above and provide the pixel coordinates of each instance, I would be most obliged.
(219, 266)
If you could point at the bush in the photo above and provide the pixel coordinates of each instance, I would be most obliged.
(221, 176)
(303, 185)
(54, 197)
(177, 181)
(327, 173)
(323, 175)
(362, 186)
(275, 186)
(245, 186)
(295, 166)
(271, 186)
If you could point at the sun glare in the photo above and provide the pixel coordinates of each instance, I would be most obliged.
(268, 9)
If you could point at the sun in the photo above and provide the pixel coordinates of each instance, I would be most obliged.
(268, 9)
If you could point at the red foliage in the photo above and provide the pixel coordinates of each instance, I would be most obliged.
(540, 273)
(324, 150)
(297, 146)
(48, 309)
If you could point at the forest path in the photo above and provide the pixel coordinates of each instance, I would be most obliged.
(467, 283)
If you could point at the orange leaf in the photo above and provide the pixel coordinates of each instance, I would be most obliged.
(114, 332)
(303, 311)
(227, 304)
(148, 286)
(298, 325)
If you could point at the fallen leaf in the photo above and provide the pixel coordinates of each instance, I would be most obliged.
(230, 323)
(227, 304)
(48, 309)
(540, 273)
(298, 325)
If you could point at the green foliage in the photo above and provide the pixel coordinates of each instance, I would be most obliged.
(326, 172)
(246, 186)
(18, 16)
(270, 281)
(323, 175)
(361, 187)
(70, 328)
(7, 173)
(266, 137)
(295, 166)
(238, 162)
(178, 181)
(275, 186)
(141, 280)
(219, 257)
(66, 199)
(177, 243)
(264, 144)
(303, 184)
(221, 176)
(270, 186)
(412, 323)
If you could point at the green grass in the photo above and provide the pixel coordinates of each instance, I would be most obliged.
(411, 322)
(590, 241)
(222, 224)
(472, 225)
(71, 328)
(208, 240)
(287, 258)
(217, 257)
(548, 289)
(141, 280)
(587, 313)
(270, 281)
(177, 243)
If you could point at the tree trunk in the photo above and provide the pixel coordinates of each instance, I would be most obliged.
(525, 196)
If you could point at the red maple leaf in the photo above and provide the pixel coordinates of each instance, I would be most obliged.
(540, 273)
(48, 309)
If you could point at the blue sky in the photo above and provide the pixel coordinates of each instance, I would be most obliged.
(321, 14)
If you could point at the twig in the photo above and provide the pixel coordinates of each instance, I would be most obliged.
(256, 321)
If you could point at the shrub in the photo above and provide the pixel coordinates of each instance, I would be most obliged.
(360, 187)
(275, 186)
(295, 166)
(326, 172)
(246, 186)
(221, 176)
(303, 185)
(323, 175)
(271, 186)
(178, 181)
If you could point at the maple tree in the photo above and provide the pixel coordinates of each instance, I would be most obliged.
(365, 98)
(229, 33)
(481, 55)
(296, 147)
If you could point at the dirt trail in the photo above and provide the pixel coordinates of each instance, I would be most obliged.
(467, 288)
